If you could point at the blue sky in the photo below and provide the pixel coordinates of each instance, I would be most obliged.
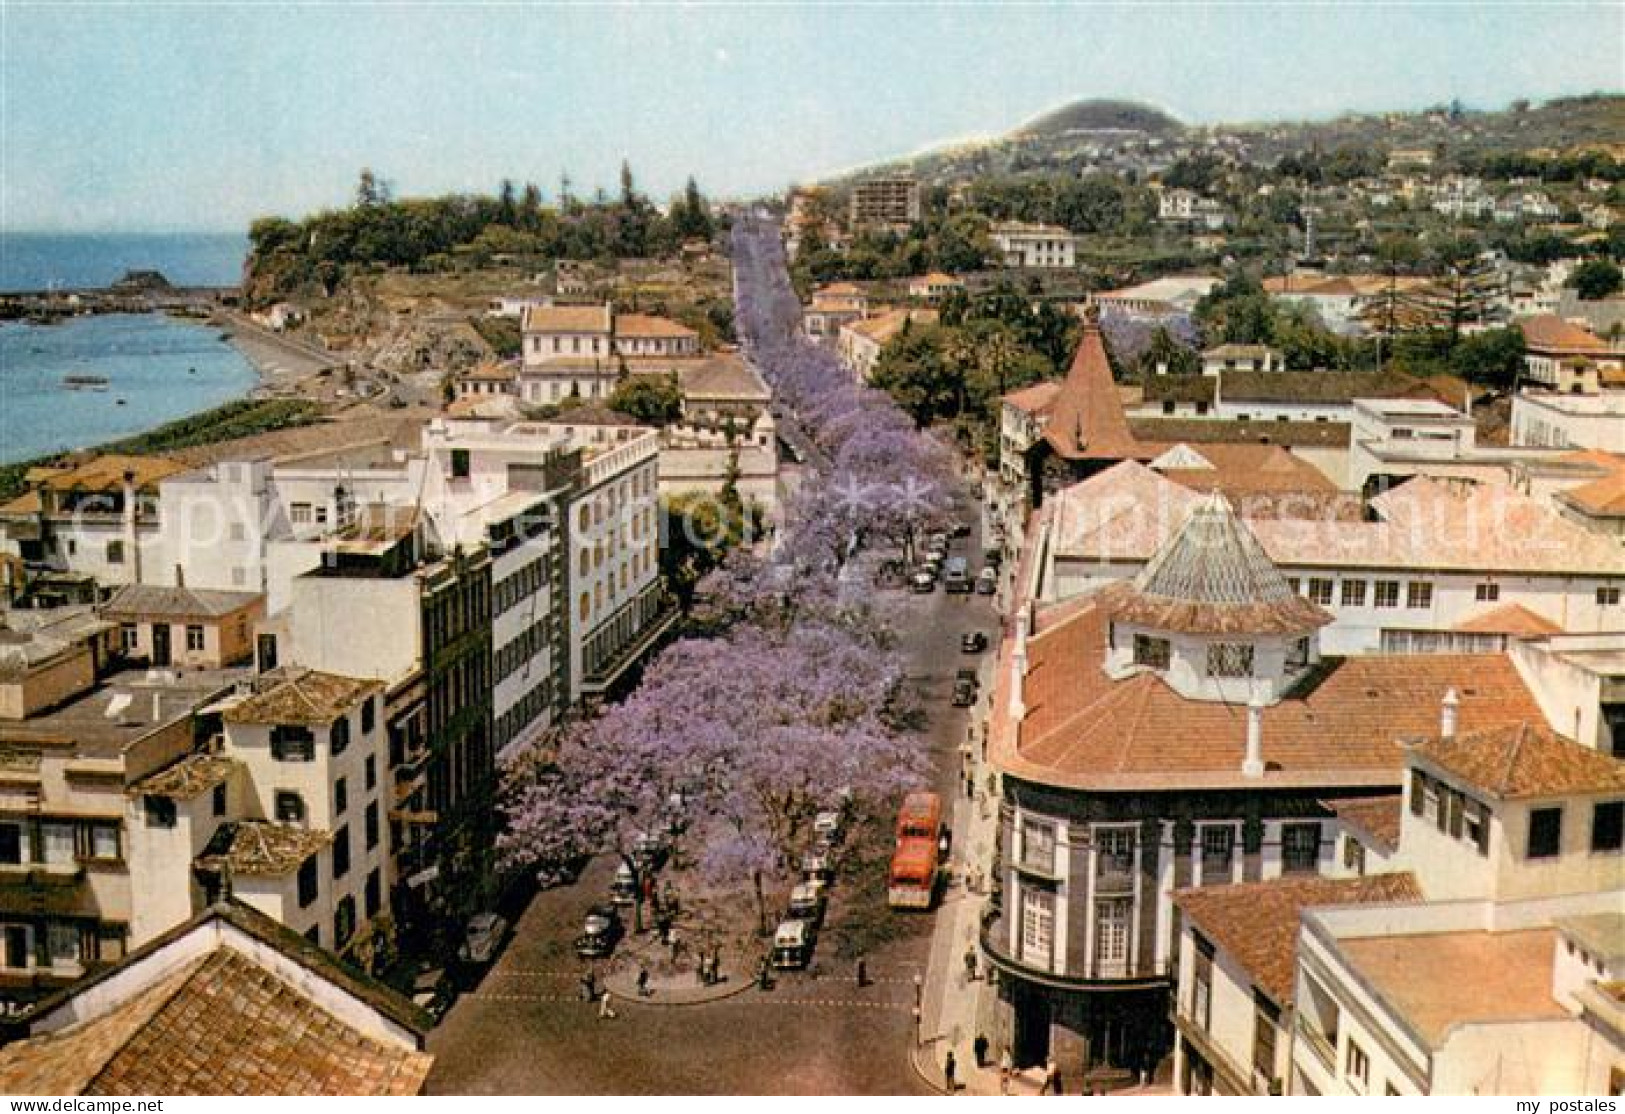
(201, 116)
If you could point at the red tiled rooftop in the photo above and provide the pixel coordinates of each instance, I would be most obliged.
(1341, 725)
(1522, 760)
(1437, 981)
(1257, 922)
(1551, 333)
(1376, 819)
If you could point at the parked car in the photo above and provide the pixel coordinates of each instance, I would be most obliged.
(922, 582)
(482, 939)
(967, 676)
(816, 867)
(964, 694)
(807, 903)
(433, 991)
(827, 825)
(993, 557)
(987, 582)
(960, 530)
(972, 642)
(648, 853)
(623, 888)
(793, 944)
(601, 931)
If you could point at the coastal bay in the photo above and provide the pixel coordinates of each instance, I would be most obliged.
(91, 380)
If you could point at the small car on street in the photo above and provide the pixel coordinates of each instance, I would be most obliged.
(623, 888)
(827, 826)
(807, 903)
(922, 582)
(601, 931)
(964, 694)
(972, 642)
(793, 944)
(987, 582)
(482, 939)
(816, 867)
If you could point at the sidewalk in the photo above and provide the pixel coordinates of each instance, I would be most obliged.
(958, 1008)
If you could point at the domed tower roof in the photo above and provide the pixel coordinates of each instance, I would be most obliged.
(1212, 577)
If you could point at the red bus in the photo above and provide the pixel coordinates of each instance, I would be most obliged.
(911, 883)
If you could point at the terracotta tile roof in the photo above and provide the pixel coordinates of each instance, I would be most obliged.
(220, 1025)
(190, 777)
(646, 326)
(261, 848)
(1378, 819)
(1509, 618)
(1180, 388)
(1549, 333)
(1170, 431)
(1036, 399)
(106, 473)
(1242, 469)
(1520, 760)
(301, 696)
(1327, 387)
(137, 601)
(1257, 922)
(1603, 497)
(1239, 352)
(1125, 513)
(491, 372)
(883, 327)
(1086, 420)
(568, 319)
(1341, 724)
(1438, 981)
(726, 376)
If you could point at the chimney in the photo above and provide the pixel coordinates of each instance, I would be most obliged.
(1448, 714)
(1018, 708)
(1253, 764)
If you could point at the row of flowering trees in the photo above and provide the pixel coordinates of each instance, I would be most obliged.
(788, 695)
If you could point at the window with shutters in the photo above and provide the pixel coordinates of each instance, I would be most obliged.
(341, 852)
(1202, 982)
(1486, 593)
(1230, 659)
(1545, 833)
(1111, 936)
(1218, 853)
(160, 812)
(1300, 848)
(1387, 593)
(338, 736)
(290, 807)
(292, 743)
(1419, 783)
(1419, 594)
(1266, 1035)
(1153, 652)
(309, 882)
(1320, 590)
(1353, 593)
(1607, 826)
(1477, 826)
(1038, 846)
(344, 921)
(1037, 926)
(194, 638)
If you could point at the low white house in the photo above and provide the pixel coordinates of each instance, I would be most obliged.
(1038, 246)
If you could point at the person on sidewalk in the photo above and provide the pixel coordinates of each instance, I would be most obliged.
(970, 963)
(863, 972)
(948, 1070)
(643, 982)
(1005, 1068)
(604, 1010)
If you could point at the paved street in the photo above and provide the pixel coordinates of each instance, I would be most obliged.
(524, 1030)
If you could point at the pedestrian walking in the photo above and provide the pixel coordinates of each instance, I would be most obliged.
(589, 987)
(948, 1070)
(970, 963)
(716, 963)
(643, 982)
(1005, 1067)
(604, 1010)
(863, 972)
(979, 1047)
(970, 787)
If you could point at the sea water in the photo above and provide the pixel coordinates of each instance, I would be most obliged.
(157, 369)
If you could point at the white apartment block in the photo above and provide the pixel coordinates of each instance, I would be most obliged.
(1039, 246)
(1548, 419)
(604, 482)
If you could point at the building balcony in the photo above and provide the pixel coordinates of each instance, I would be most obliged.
(995, 933)
(37, 875)
(1112, 881)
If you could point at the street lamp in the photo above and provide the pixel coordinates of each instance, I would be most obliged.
(919, 994)
(918, 1036)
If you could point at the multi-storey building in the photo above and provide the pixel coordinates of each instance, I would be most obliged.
(567, 352)
(286, 811)
(1180, 730)
(891, 202)
(74, 741)
(1038, 246)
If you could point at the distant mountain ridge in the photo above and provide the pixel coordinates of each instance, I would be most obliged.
(1070, 138)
